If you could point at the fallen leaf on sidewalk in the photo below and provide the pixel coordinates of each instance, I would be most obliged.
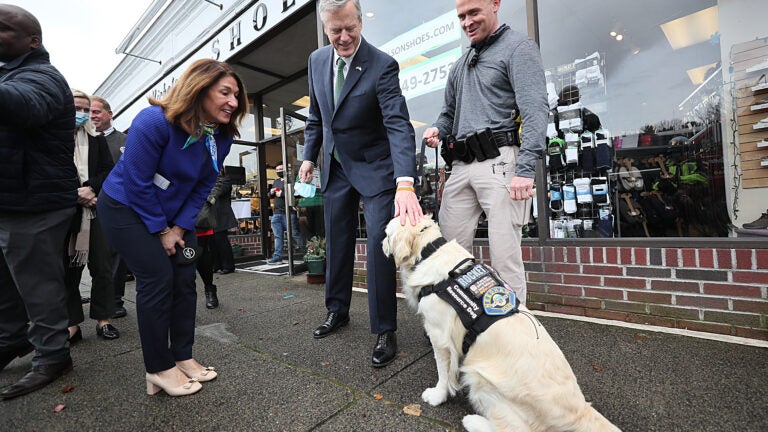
(67, 389)
(295, 323)
(641, 336)
(59, 407)
(378, 396)
(597, 368)
(325, 363)
(241, 310)
(401, 354)
(412, 409)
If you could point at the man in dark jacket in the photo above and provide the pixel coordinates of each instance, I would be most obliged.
(38, 194)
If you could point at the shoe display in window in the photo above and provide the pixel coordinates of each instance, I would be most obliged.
(759, 223)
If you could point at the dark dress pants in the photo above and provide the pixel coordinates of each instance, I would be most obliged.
(165, 291)
(204, 262)
(119, 271)
(100, 267)
(341, 203)
(223, 250)
(32, 283)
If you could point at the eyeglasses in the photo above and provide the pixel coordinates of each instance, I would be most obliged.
(473, 60)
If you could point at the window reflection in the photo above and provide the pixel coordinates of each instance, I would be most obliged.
(648, 97)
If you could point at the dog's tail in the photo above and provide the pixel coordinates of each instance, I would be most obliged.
(590, 420)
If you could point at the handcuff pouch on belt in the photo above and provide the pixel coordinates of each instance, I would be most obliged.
(481, 145)
(478, 295)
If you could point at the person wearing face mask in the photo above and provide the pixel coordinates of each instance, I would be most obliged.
(149, 205)
(86, 243)
(38, 195)
(278, 223)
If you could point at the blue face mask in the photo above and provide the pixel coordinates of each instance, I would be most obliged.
(81, 118)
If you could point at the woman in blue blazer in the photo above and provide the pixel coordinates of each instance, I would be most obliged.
(149, 204)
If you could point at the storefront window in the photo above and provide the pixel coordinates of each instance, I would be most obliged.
(635, 136)
(426, 41)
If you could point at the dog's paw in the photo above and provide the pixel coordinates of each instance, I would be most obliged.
(476, 423)
(434, 396)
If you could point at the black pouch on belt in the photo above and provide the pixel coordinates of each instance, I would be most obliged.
(473, 143)
(462, 152)
(447, 149)
(487, 144)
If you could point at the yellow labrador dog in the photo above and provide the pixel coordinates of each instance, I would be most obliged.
(518, 379)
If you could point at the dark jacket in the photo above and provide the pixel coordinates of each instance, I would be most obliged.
(225, 217)
(37, 122)
(99, 162)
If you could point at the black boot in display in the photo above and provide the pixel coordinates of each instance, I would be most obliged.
(211, 299)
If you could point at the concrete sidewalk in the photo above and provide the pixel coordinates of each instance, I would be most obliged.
(275, 377)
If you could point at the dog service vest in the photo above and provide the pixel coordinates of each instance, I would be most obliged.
(478, 295)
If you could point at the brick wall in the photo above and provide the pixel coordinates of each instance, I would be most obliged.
(721, 291)
(251, 243)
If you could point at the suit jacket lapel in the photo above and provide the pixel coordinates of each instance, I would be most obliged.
(356, 70)
(327, 75)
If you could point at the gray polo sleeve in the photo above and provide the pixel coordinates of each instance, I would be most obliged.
(527, 75)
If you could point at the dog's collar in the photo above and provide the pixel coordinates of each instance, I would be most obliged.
(431, 248)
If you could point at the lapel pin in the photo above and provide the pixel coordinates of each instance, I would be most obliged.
(358, 68)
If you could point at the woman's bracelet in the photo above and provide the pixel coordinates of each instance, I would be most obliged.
(163, 232)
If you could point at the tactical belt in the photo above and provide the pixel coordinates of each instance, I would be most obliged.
(506, 138)
(478, 295)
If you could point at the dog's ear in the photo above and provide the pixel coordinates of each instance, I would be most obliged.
(401, 246)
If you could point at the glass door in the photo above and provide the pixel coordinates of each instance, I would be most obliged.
(300, 218)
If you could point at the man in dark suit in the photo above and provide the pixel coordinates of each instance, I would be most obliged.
(101, 117)
(358, 115)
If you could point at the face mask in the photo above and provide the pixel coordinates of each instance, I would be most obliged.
(280, 174)
(81, 118)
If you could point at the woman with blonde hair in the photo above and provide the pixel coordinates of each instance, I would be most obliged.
(86, 243)
(149, 204)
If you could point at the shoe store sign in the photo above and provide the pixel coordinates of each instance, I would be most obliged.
(249, 25)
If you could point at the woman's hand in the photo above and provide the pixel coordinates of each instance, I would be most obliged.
(170, 237)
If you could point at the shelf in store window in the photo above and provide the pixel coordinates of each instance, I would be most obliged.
(764, 163)
(762, 144)
(759, 107)
(758, 67)
(759, 87)
(760, 125)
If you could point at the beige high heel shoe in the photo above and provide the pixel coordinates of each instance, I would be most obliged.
(207, 374)
(155, 384)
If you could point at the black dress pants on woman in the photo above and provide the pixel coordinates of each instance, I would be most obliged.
(165, 291)
(102, 288)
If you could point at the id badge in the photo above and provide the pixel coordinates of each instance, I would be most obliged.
(161, 182)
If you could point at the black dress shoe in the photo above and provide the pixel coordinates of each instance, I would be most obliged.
(119, 312)
(385, 350)
(75, 338)
(227, 271)
(107, 331)
(333, 321)
(37, 378)
(7, 355)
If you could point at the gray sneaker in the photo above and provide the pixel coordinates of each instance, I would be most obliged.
(275, 260)
(759, 223)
